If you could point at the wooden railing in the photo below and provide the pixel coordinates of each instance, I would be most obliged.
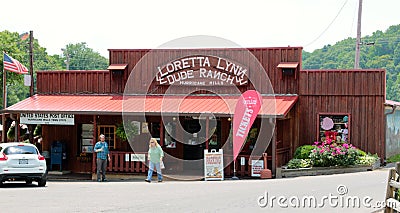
(118, 163)
(392, 193)
(241, 170)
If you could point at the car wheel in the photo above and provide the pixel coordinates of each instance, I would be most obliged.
(28, 181)
(42, 182)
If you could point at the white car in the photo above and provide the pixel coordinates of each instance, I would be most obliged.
(22, 162)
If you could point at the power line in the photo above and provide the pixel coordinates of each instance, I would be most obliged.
(330, 24)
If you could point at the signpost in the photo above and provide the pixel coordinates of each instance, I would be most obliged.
(213, 165)
(256, 167)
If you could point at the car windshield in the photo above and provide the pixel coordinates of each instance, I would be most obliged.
(12, 150)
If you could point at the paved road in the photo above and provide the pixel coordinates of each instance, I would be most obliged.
(198, 196)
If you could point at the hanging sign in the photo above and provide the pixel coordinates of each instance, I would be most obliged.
(213, 165)
(47, 118)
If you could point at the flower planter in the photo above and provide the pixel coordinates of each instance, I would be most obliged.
(284, 172)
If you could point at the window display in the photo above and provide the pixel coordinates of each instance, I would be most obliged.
(334, 127)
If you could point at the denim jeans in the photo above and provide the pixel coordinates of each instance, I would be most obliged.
(101, 167)
(151, 169)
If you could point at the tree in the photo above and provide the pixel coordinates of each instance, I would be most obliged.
(81, 57)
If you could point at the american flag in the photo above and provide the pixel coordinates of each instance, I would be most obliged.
(13, 65)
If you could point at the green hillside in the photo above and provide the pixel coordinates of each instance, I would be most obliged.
(383, 53)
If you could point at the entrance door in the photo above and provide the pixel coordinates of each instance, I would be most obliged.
(194, 142)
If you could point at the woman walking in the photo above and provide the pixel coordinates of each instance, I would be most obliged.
(155, 156)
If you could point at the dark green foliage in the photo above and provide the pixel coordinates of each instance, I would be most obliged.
(303, 152)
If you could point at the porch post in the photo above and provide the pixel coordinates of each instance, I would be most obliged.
(16, 128)
(94, 142)
(207, 130)
(274, 154)
(161, 132)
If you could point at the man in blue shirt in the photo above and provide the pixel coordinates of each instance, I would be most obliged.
(101, 148)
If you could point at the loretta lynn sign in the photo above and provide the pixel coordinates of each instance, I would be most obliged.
(202, 71)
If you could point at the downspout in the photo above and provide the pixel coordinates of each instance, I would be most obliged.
(384, 131)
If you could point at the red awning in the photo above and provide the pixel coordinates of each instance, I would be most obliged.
(272, 106)
(291, 65)
(392, 103)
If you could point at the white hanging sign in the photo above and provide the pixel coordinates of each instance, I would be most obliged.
(47, 118)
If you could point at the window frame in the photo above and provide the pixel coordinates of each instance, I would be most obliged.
(330, 115)
(111, 140)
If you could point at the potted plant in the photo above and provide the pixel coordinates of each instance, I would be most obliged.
(127, 130)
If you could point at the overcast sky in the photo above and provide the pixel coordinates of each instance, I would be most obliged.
(130, 24)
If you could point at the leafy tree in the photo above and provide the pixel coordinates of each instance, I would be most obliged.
(81, 57)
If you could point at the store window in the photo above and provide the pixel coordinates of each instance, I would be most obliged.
(334, 127)
(169, 137)
(109, 132)
(86, 141)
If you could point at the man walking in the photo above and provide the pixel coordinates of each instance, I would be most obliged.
(101, 148)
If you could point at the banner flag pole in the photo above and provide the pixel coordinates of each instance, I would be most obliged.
(3, 117)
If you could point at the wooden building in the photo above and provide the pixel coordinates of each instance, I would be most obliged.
(139, 82)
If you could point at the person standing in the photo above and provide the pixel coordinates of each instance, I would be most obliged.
(213, 143)
(103, 154)
(155, 156)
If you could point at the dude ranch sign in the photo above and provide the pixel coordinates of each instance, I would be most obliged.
(202, 71)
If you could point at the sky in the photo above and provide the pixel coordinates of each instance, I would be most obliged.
(130, 24)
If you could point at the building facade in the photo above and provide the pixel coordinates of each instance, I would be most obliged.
(183, 97)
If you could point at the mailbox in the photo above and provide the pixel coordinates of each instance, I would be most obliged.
(58, 154)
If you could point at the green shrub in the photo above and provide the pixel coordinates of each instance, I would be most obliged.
(393, 159)
(367, 159)
(360, 152)
(303, 152)
(299, 163)
(328, 154)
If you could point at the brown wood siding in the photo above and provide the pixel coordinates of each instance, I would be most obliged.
(342, 82)
(269, 58)
(73, 82)
(360, 93)
(105, 82)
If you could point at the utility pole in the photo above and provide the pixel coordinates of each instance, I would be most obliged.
(30, 127)
(31, 61)
(65, 51)
(358, 40)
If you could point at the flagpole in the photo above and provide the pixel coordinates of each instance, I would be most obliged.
(31, 89)
(234, 159)
(3, 117)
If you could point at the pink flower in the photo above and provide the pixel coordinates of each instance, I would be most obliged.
(321, 151)
(316, 143)
(346, 145)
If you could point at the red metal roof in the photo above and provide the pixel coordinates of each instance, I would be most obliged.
(277, 106)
